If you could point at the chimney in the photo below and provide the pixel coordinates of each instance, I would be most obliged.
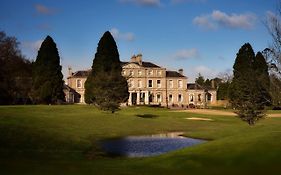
(213, 84)
(69, 71)
(139, 59)
(133, 58)
(180, 71)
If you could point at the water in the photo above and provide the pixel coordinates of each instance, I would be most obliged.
(145, 146)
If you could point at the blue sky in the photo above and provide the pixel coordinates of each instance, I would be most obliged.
(196, 35)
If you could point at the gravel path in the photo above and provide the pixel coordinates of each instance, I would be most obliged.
(218, 112)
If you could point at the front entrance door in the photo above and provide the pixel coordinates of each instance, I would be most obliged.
(134, 98)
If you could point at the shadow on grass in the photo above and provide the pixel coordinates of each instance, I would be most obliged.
(147, 115)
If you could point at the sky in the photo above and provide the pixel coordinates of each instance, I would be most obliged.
(199, 36)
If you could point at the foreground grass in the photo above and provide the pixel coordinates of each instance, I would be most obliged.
(65, 140)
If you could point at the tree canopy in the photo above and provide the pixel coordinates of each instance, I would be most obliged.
(47, 77)
(105, 86)
(247, 92)
(15, 72)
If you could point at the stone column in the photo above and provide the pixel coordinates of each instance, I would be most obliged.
(138, 98)
(146, 98)
(130, 99)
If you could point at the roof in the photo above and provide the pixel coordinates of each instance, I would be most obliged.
(195, 86)
(173, 74)
(144, 64)
(81, 73)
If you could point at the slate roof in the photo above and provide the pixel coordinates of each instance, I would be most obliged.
(144, 64)
(173, 74)
(81, 73)
(195, 86)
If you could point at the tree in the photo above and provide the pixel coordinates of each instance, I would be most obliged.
(47, 77)
(15, 72)
(273, 24)
(200, 80)
(105, 87)
(246, 87)
(261, 71)
(222, 92)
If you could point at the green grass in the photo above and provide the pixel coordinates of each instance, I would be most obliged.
(65, 140)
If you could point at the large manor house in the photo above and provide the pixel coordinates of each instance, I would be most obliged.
(149, 84)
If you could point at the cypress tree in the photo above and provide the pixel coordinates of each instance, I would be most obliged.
(105, 87)
(245, 89)
(46, 74)
(261, 69)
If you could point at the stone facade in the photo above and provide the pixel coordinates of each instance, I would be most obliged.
(149, 84)
(201, 97)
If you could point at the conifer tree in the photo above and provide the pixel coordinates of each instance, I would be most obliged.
(246, 89)
(261, 69)
(47, 77)
(105, 87)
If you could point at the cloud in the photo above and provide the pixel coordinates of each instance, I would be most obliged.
(149, 3)
(32, 45)
(122, 36)
(186, 1)
(220, 19)
(187, 54)
(43, 10)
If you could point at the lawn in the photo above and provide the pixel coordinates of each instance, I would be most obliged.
(65, 140)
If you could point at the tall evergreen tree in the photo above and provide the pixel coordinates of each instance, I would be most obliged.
(47, 76)
(105, 86)
(245, 89)
(262, 74)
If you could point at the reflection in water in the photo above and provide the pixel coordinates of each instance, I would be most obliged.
(145, 146)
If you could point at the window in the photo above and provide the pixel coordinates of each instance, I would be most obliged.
(199, 97)
(170, 98)
(150, 97)
(170, 83)
(131, 83)
(191, 98)
(150, 83)
(158, 98)
(142, 97)
(139, 72)
(139, 83)
(179, 98)
(131, 73)
(180, 84)
(150, 72)
(79, 83)
(159, 72)
(158, 83)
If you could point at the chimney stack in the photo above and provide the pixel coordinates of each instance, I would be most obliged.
(180, 71)
(137, 59)
(69, 71)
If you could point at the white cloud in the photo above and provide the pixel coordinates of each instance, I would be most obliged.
(186, 1)
(204, 21)
(32, 45)
(41, 9)
(221, 19)
(187, 54)
(128, 36)
(151, 3)
(205, 71)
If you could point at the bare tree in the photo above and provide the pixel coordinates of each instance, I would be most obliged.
(273, 25)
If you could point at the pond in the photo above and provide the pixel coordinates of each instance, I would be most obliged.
(145, 146)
